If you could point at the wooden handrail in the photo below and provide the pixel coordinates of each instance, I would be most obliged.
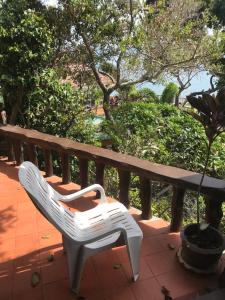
(180, 179)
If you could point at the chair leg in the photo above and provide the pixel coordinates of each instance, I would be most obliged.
(134, 251)
(78, 272)
(72, 251)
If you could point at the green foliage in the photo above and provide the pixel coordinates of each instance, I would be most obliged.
(132, 93)
(57, 108)
(163, 134)
(169, 93)
(25, 48)
(25, 44)
(144, 95)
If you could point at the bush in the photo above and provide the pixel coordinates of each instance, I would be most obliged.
(163, 134)
(169, 93)
(133, 94)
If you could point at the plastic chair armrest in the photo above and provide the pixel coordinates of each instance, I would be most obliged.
(76, 195)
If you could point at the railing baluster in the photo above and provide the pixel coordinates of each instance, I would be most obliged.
(177, 209)
(99, 176)
(11, 154)
(66, 176)
(213, 212)
(17, 146)
(146, 197)
(83, 166)
(32, 154)
(124, 183)
(48, 162)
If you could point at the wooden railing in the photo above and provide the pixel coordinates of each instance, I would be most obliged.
(25, 141)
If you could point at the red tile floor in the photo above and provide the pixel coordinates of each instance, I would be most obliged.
(27, 241)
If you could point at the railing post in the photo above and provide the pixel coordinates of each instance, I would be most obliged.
(177, 209)
(124, 183)
(32, 154)
(48, 162)
(146, 197)
(213, 211)
(11, 154)
(65, 168)
(99, 176)
(83, 166)
(17, 146)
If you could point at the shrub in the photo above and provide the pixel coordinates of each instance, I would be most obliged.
(163, 134)
(169, 93)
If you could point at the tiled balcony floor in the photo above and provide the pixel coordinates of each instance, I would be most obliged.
(27, 240)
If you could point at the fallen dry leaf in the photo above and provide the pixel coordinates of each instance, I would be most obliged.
(35, 279)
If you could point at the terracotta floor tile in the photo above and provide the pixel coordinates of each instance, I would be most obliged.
(122, 294)
(163, 262)
(107, 263)
(27, 239)
(58, 290)
(171, 240)
(49, 237)
(55, 270)
(152, 245)
(147, 290)
(27, 242)
(90, 284)
(6, 286)
(22, 283)
(121, 253)
(6, 268)
(43, 224)
(182, 282)
(7, 248)
(25, 227)
(154, 227)
(145, 270)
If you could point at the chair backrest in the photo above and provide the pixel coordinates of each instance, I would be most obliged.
(45, 198)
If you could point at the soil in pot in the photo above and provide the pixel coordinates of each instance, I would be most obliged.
(205, 239)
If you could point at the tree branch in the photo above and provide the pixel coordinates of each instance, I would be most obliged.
(107, 75)
(92, 64)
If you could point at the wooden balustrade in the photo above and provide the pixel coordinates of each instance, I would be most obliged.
(180, 179)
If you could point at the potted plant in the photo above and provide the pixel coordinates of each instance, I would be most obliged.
(202, 244)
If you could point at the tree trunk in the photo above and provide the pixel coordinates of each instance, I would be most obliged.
(16, 106)
(176, 103)
(106, 108)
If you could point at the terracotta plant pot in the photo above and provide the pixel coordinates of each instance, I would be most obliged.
(200, 250)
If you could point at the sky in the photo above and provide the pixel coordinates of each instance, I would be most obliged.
(198, 83)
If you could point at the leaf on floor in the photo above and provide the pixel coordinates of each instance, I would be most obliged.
(45, 236)
(35, 279)
(117, 266)
(171, 246)
(50, 257)
(166, 293)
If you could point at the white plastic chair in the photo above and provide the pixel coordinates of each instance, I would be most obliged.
(84, 233)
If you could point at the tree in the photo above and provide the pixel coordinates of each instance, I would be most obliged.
(57, 108)
(25, 48)
(217, 8)
(130, 43)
